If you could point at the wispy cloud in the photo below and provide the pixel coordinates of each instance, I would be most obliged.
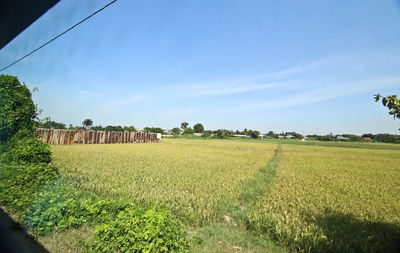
(256, 82)
(89, 95)
(321, 94)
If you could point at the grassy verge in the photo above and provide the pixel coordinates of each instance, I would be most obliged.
(231, 233)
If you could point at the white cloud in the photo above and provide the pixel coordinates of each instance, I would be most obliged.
(324, 93)
(245, 83)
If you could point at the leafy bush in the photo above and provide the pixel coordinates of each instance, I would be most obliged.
(187, 131)
(21, 183)
(176, 131)
(123, 226)
(139, 230)
(17, 110)
(28, 150)
(59, 206)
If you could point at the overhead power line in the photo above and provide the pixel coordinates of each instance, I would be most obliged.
(58, 36)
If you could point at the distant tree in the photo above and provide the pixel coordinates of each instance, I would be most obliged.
(296, 135)
(353, 137)
(221, 134)
(97, 128)
(131, 129)
(321, 137)
(113, 128)
(176, 131)
(87, 123)
(187, 130)
(371, 136)
(198, 128)
(153, 130)
(272, 134)
(184, 125)
(254, 134)
(51, 124)
(206, 134)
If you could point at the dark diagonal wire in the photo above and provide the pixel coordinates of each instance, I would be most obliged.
(58, 36)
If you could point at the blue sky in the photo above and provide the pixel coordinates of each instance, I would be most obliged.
(305, 66)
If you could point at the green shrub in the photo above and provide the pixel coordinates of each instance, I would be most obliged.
(21, 183)
(187, 131)
(28, 150)
(59, 206)
(139, 230)
(17, 110)
(123, 226)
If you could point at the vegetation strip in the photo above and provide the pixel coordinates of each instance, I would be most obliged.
(251, 192)
(232, 233)
(260, 184)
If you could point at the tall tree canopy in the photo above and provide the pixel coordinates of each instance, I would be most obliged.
(87, 123)
(184, 125)
(17, 110)
(198, 128)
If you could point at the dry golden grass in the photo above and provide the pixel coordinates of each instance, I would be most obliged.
(333, 199)
(190, 177)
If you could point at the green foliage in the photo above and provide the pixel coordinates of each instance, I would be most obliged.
(353, 137)
(221, 134)
(153, 130)
(207, 134)
(198, 128)
(59, 206)
(176, 131)
(130, 129)
(272, 134)
(184, 125)
(296, 135)
(17, 110)
(391, 102)
(139, 230)
(187, 131)
(328, 137)
(27, 150)
(87, 123)
(21, 183)
(121, 226)
(51, 124)
(97, 128)
(254, 134)
(113, 128)
(388, 138)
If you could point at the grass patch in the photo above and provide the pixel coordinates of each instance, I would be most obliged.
(222, 237)
(70, 240)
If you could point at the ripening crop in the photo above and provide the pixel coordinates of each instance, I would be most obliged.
(327, 199)
(190, 177)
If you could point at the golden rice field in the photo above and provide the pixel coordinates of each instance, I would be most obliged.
(333, 199)
(322, 199)
(192, 178)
